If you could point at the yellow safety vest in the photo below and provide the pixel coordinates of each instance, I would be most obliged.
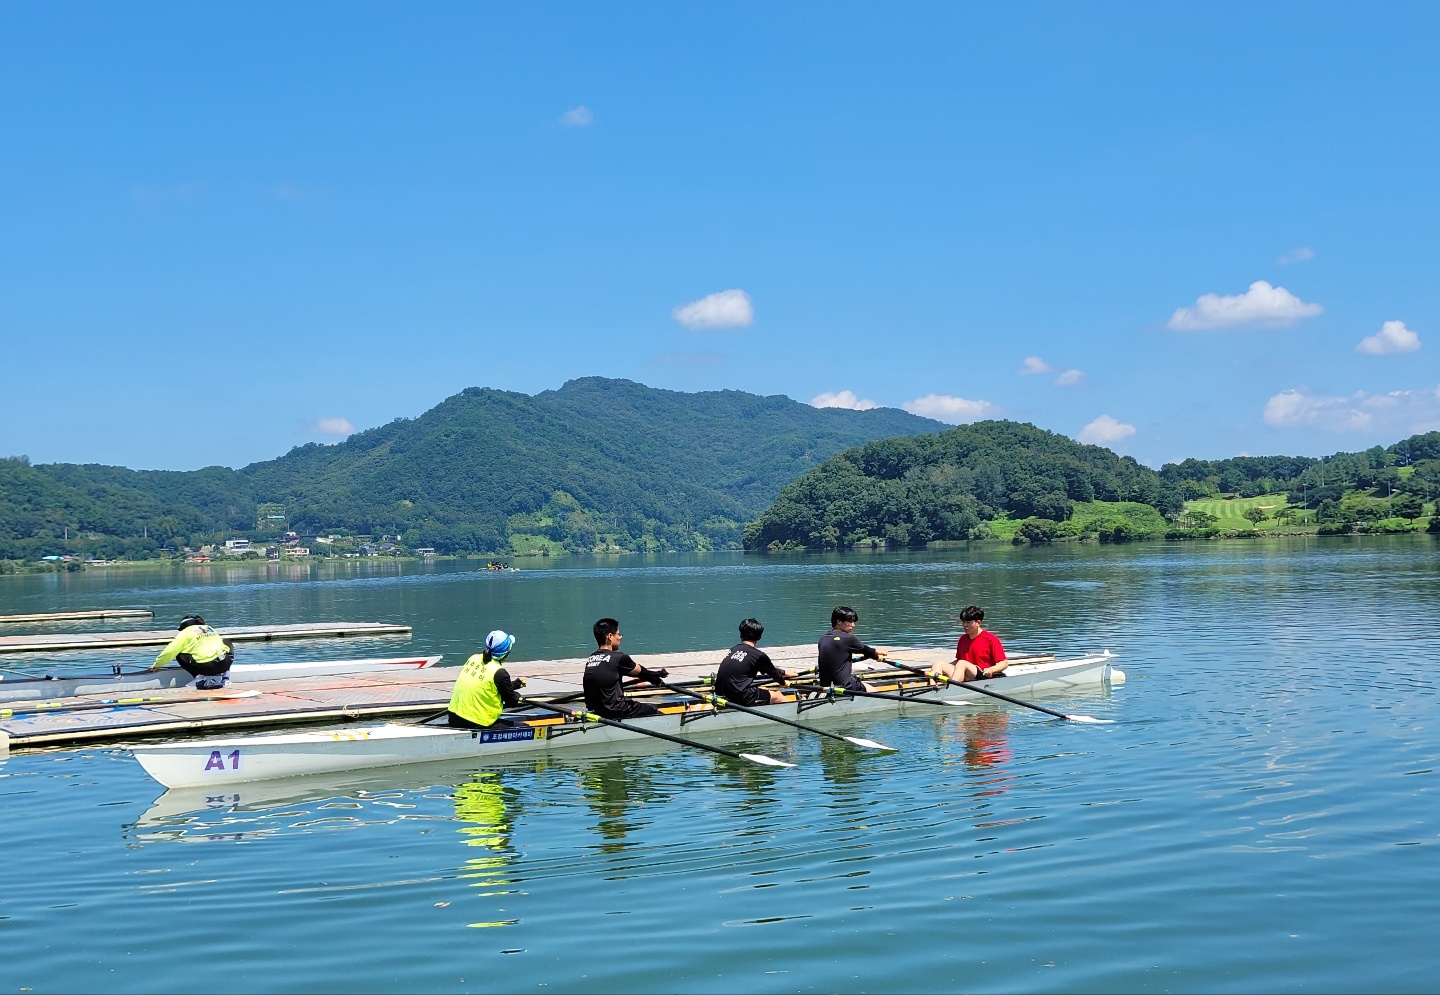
(201, 641)
(475, 696)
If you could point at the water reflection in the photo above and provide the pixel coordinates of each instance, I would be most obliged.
(612, 788)
(288, 807)
(486, 822)
(984, 737)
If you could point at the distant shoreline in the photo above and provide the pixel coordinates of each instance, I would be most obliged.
(533, 560)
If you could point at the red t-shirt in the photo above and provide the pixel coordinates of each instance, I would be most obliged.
(984, 650)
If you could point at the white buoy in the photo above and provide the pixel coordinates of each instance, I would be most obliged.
(1117, 676)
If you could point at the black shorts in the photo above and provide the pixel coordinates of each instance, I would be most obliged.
(755, 696)
(210, 668)
(633, 710)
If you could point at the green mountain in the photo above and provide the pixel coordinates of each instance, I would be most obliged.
(596, 463)
(914, 490)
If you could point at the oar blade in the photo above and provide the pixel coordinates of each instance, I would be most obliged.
(869, 744)
(1091, 718)
(760, 758)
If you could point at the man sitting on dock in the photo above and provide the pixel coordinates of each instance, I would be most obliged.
(606, 669)
(201, 652)
(484, 688)
(978, 653)
(839, 647)
(735, 680)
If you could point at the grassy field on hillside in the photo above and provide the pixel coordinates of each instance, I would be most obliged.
(1230, 512)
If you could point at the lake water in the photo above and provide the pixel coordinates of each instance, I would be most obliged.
(1261, 817)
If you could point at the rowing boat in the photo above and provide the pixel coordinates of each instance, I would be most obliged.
(217, 762)
(29, 688)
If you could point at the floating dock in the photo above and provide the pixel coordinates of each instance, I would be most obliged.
(76, 616)
(177, 712)
(159, 637)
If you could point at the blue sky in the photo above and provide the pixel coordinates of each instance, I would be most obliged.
(1173, 229)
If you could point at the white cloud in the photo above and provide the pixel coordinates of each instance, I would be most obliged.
(1070, 378)
(1397, 412)
(332, 426)
(1301, 255)
(1261, 305)
(726, 309)
(578, 117)
(841, 399)
(1105, 430)
(1392, 337)
(1033, 365)
(951, 410)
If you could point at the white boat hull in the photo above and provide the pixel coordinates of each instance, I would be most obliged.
(218, 762)
(34, 688)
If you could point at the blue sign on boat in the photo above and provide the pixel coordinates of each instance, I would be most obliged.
(506, 735)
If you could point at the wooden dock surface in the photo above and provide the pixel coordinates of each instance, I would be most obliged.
(40, 643)
(75, 616)
(339, 698)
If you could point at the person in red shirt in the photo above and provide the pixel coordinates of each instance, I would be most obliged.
(978, 654)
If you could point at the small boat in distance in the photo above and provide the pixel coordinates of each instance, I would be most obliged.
(30, 688)
(218, 762)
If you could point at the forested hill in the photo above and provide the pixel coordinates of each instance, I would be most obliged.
(961, 483)
(1411, 464)
(923, 488)
(597, 462)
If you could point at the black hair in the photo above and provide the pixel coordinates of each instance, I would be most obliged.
(751, 630)
(843, 614)
(190, 620)
(972, 613)
(604, 629)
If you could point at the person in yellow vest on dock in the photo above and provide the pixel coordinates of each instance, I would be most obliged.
(485, 688)
(201, 652)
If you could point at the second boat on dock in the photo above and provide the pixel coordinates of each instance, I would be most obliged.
(34, 688)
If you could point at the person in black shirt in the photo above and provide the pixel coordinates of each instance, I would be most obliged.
(735, 680)
(606, 668)
(839, 647)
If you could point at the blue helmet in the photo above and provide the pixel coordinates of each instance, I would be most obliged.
(499, 642)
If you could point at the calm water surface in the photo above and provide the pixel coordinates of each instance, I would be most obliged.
(1262, 816)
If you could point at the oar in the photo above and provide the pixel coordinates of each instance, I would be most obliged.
(571, 696)
(720, 702)
(951, 704)
(60, 706)
(574, 695)
(1005, 697)
(754, 758)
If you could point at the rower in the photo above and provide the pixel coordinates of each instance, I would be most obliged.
(606, 668)
(838, 649)
(201, 652)
(484, 688)
(735, 680)
(978, 653)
